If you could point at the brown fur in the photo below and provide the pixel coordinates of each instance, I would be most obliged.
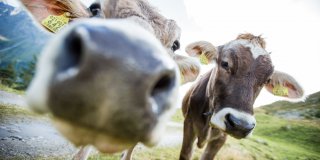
(253, 39)
(142, 12)
(235, 86)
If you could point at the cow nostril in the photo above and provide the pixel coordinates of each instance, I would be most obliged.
(73, 49)
(162, 84)
(229, 119)
(95, 9)
(162, 92)
(74, 45)
(250, 126)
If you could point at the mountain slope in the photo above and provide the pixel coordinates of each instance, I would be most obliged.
(21, 41)
(309, 109)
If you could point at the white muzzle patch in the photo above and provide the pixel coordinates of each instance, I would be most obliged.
(219, 119)
(255, 49)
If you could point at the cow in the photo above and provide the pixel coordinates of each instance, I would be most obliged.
(140, 11)
(111, 81)
(221, 102)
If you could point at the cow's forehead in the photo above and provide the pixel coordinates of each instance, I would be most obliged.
(255, 48)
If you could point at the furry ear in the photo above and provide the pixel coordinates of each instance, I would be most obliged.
(189, 68)
(284, 85)
(204, 50)
(72, 8)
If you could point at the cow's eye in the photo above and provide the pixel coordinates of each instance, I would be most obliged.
(95, 9)
(225, 65)
(175, 45)
(268, 81)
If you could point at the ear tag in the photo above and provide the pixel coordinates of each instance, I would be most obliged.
(204, 59)
(55, 23)
(280, 90)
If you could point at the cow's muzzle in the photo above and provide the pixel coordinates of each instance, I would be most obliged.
(237, 127)
(233, 122)
(109, 77)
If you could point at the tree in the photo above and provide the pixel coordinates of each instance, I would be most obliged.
(8, 75)
(26, 74)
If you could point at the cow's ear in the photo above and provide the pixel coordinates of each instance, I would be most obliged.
(189, 68)
(204, 50)
(65, 10)
(284, 85)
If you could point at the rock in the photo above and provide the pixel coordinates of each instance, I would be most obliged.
(16, 137)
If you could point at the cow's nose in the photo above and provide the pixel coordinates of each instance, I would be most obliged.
(238, 125)
(153, 76)
(106, 78)
(113, 73)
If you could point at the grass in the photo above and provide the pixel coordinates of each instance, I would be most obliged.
(177, 117)
(11, 90)
(7, 112)
(275, 137)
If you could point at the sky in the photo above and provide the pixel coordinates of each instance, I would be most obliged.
(291, 29)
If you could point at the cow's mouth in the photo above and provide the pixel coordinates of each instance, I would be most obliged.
(236, 133)
(233, 122)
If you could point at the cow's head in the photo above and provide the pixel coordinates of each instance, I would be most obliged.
(137, 11)
(106, 84)
(243, 68)
(112, 82)
(166, 30)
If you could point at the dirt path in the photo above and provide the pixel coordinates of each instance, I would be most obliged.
(173, 135)
(12, 99)
(24, 135)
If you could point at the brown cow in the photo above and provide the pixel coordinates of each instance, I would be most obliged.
(110, 83)
(221, 102)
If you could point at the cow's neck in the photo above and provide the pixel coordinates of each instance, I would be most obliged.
(199, 97)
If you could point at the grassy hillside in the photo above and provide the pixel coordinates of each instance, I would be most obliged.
(285, 131)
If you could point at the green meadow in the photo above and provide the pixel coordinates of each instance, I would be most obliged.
(285, 131)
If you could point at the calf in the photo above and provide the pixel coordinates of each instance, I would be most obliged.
(221, 102)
